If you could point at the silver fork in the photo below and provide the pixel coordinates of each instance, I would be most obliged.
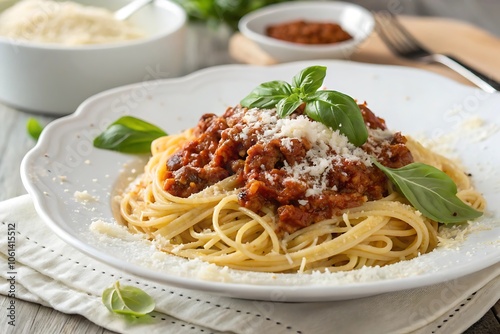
(402, 43)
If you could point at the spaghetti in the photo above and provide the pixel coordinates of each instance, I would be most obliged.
(254, 192)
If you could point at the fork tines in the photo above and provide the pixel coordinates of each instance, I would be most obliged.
(394, 34)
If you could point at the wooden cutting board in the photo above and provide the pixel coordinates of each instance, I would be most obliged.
(474, 46)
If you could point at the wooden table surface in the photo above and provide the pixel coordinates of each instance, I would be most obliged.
(14, 143)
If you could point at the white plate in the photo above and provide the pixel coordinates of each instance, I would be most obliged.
(413, 101)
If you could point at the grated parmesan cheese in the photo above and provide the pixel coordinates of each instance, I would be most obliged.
(318, 160)
(84, 196)
(65, 23)
(454, 235)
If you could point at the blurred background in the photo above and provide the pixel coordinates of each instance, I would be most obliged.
(222, 17)
(482, 13)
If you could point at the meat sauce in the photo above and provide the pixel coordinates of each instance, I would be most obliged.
(306, 32)
(220, 150)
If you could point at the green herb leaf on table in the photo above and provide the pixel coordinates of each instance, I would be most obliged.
(332, 108)
(127, 300)
(129, 135)
(431, 191)
(34, 128)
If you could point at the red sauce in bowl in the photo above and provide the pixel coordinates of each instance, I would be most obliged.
(307, 32)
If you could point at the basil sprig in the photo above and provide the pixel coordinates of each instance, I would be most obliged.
(129, 135)
(127, 300)
(332, 108)
(431, 191)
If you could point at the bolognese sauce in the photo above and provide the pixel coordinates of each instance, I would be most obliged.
(308, 175)
(308, 32)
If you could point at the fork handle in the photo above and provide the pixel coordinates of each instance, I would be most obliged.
(482, 81)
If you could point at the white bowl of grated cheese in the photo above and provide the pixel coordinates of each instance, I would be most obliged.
(56, 54)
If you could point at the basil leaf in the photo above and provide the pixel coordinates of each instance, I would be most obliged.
(34, 128)
(310, 79)
(129, 135)
(267, 95)
(340, 112)
(288, 105)
(127, 300)
(431, 191)
(331, 108)
(138, 125)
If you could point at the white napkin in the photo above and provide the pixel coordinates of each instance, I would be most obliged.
(48, 271)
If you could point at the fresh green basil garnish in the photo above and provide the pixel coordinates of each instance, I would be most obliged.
(337, 110)
(127, 300)
(332, 108)
(310, 79)
(268, 94)
(431, 191)
(34, 128)
(129, 135)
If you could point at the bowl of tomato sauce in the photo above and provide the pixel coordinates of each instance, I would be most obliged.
(307, 30)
